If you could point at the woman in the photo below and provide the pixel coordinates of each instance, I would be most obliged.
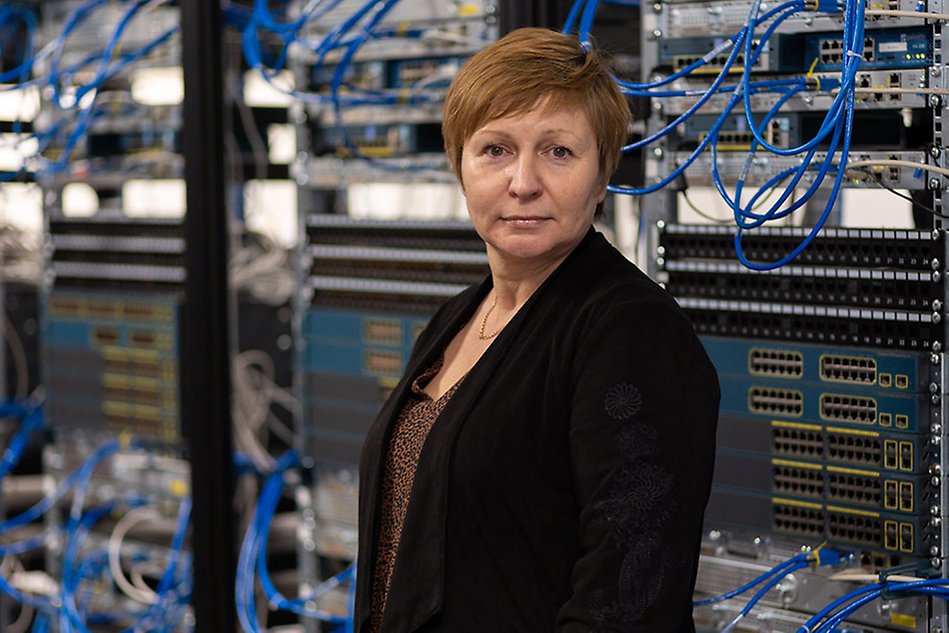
(545, 461)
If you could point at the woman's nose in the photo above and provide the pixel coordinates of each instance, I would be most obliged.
(525, 180)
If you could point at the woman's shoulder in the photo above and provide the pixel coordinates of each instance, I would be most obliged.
(603, 276)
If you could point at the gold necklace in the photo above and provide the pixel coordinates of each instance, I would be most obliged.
(484, 322)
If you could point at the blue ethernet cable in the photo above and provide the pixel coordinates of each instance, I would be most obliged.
(244, 582)
(31, 420)
(789, 188)
(367, 29)
(714, 130)
(571, 22)
(100, 76)
(76, 18)
(28, 19)
(45, 504)
(777, 569)
(851, 63)
(683, 72)
(832, 113)
(269, 498)
(826, 620)
(835, 190)
(586, 23)
(746, 34)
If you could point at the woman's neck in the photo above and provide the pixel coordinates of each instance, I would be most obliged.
(515, 282)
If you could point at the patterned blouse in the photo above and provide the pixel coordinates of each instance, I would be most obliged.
(405, 446)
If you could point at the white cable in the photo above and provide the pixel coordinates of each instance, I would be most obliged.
(899, 91)
(263, 269)
(895, 13)
(25, 617)
(897, 163)
(137, 574)
(132, 518)
(252, 404)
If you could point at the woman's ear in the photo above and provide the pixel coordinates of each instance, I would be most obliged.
(604, 181)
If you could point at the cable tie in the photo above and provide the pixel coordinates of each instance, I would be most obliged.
(810, 71)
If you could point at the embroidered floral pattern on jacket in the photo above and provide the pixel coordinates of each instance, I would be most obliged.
(641, 501)
(622, 401)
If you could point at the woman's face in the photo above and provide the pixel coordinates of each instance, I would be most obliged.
(532, 182)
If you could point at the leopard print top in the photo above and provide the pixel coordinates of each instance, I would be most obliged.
(405, 445)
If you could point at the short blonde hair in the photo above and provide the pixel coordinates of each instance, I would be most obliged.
(520, 70)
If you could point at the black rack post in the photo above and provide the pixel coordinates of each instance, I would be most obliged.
(206, 389)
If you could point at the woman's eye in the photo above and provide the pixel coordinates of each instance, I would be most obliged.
(560, 152)
(495, 151)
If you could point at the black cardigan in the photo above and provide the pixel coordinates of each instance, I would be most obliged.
(562, 488)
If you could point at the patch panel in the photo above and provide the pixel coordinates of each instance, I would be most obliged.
(898, 249)
(99, 252)
(790, 323)
(854, 287)
(856, 367)
(822, 299)
(380, 267)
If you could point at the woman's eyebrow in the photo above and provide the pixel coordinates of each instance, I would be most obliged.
(544, 135)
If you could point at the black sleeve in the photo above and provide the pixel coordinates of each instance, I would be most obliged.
(642, 440)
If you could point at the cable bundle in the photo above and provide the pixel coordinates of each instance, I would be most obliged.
(252, 563)
(818, 558)
(80, 100)
(834, 131)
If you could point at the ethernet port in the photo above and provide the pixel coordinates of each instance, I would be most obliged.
(906, 496)
(890, 454)
(890, 495)
(889, 535)
(886, 380)
(886, 419)
(906, 456)
(901, 381)
(902, 421)
(906, 537)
